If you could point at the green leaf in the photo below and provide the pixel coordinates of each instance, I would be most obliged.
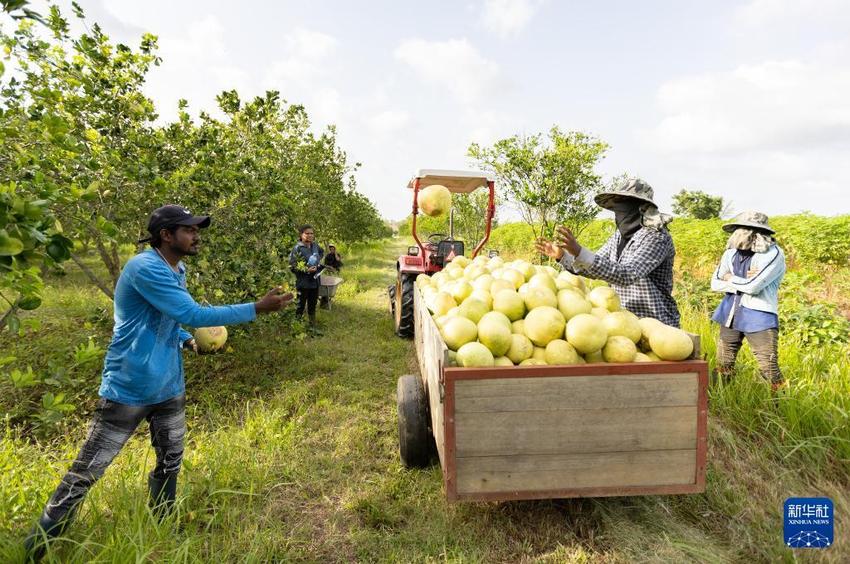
(10, 246)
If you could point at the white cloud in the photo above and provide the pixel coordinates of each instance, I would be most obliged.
(389, 121)
(773, 14)
(508, 17)
(768, 106)
(454, 65)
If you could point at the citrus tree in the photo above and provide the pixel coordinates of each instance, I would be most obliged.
(551, 181)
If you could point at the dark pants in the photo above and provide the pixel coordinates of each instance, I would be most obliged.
(307, 297)
(764, 345)
(112, 425)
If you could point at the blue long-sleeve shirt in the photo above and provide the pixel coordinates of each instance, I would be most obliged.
(143, 365)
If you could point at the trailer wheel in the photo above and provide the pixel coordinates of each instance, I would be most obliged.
(403, 305)
(414, 436)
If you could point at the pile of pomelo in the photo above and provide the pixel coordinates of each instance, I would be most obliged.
(496, 313)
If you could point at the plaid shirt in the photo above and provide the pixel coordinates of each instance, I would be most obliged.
(642, 276)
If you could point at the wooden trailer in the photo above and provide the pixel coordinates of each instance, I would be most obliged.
(536, 432)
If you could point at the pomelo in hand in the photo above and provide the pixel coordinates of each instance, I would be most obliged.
(210, 339)
(435, 200)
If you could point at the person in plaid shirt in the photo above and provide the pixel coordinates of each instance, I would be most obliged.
(637, 260)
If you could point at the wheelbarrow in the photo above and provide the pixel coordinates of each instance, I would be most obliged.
(327, 289)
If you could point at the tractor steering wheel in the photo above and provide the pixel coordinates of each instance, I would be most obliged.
(435, 238)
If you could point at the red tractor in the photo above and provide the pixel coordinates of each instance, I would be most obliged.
(438, 249)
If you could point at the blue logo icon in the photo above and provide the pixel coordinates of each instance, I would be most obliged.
(808, 522)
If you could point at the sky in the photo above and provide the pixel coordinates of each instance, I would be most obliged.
(749, 100)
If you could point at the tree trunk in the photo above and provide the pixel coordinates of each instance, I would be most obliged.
(93, 277)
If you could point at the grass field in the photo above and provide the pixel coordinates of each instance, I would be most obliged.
(292, 455)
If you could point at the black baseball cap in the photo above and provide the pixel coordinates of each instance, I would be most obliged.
(171, 215)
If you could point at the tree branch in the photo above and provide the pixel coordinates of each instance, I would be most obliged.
(93, 277)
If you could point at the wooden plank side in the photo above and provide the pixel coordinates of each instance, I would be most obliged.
(576, 431)
(579, 392)
(430, 351)
(494, 474)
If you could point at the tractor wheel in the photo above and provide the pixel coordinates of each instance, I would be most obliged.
(403, 305)
(414, 436)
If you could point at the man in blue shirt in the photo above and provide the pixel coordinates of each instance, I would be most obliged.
(143, 371)
(749, 275)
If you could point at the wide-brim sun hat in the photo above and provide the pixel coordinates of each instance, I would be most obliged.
(634, 188)
(750, 220)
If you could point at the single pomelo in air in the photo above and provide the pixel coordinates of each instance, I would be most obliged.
(670, 343)
(473, 310)
(502, 361)
(510, 303)
(474, 354)
(521, 348)
(495, 334)
(623, 323)
(543, 280)
(435, 200)
(619, 349)
(532, 362)
(518, 327)
(606, 297)
(544, 324)
(560, 352)
(586, 333)
(440, 303)
(539, 296)
(210, 339)
(458, 331)
(572, 303)
(595, 356)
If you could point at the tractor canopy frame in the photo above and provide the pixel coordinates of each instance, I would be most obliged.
(457, 182)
